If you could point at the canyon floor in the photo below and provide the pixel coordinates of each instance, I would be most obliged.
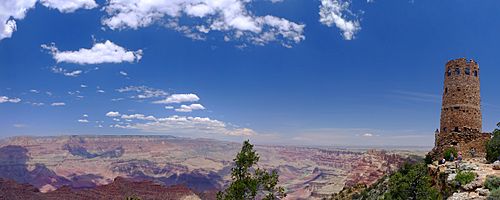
(202, 165)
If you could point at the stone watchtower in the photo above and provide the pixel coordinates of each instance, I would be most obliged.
(461, 97)
(461, 119)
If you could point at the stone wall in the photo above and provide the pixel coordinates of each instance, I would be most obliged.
(463, 142)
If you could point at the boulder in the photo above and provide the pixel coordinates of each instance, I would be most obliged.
(451, 178)
(483, 191)
(466, 196)
(468, 166)
(472, 185)
(496, 165)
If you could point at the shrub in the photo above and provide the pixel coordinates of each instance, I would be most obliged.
(428, 159)
(465, 177)
(411, 182)
(448, 152)
(493, 146)
(492, 182)
(494, 194)
(133, 198)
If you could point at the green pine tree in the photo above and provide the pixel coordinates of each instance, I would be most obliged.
(249, 182)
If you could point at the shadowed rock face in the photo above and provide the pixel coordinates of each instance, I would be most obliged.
(14, 166)
(202, 165)
(82, 152)
(119, 189)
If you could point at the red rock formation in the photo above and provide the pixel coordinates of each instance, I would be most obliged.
(118, 190)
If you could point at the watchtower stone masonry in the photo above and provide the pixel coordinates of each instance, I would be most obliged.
(461, 108)
(461, 119)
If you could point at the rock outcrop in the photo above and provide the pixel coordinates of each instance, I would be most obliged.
(445, 179)
(119, 189)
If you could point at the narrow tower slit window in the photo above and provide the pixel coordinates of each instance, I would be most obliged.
(448, 72)
(467, 71)
(457, 71)
(475, 73)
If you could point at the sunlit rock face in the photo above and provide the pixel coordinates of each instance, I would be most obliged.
(202, 165)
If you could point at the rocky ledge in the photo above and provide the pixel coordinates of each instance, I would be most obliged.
(445, 178)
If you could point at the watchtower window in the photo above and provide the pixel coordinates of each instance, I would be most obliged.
(467, 71)
(444, 129)
(448, 72)
(475, 73)
(456, 129)
(457, 71)
(446, 90)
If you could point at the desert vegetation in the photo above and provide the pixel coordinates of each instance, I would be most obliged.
(493, 146)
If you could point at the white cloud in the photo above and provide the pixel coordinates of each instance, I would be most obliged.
(19, 125)
(183, 124)
(179, 98)
(34, 91)
(230, 17)
(113, 114)
(107, 52)
(367, 135)
(67, 6)
(334, 12)
(100, 91)
(85, 115)
(83, 121)
(139, 116)
(169, 107)
(37, 104)
(12, 10)
(190, 108)
(83, 86)
(123, 73)
(59, 70)
(58, 104)
(4, 99)
(143, 92)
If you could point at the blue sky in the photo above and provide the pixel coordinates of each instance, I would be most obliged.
(322, 72)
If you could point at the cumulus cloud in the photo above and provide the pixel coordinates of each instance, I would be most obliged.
(333, 12)
(182, 124)
(58, 104)
(67, 6)
(59, 70)
(190, 108)
(367, 135)
(4, 99)
(12, 10)
(113, 114)
(230, 17)
(83, 121)
(123, 73)
(143, 92)
(169, 107)
(107, 52)
(179, 98)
